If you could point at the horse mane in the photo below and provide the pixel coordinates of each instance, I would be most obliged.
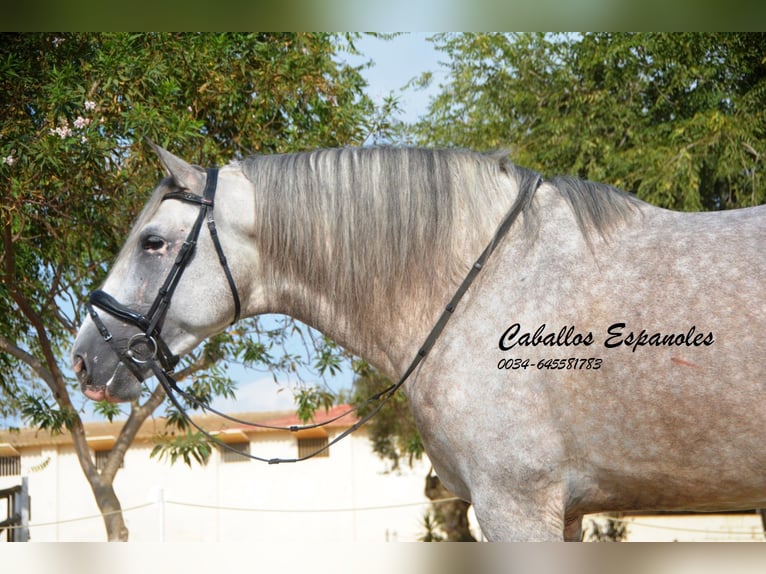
(598, 208)
(375, 225)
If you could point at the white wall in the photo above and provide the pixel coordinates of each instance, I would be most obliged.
(240, 501)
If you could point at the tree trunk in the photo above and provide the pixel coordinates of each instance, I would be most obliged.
(102, 483)
(452, 515)
(110, 508)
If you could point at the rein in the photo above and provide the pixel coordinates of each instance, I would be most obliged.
(148, 347)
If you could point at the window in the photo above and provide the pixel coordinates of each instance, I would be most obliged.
(102, 456)
(308, 446)
(232, 453)
(10, 465)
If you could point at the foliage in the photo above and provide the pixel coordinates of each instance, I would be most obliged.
(678, 119)
(392, 430)
(612, 529)
(310, 399)
(431, 529)
(38, 411)
(75, 171)
(186, 447)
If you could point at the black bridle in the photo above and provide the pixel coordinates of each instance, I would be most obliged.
(148, 345)
(148, 348)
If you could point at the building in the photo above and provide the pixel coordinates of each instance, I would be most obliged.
(345, 494)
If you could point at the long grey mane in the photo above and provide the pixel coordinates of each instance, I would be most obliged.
(597, 207)
(376, 226)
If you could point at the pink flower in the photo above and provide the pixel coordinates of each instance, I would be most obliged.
(90, 105)
(63, 131)
(81, 122)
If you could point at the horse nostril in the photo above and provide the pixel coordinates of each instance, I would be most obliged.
(80, 369)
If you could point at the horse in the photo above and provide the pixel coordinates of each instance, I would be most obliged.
(606, 355)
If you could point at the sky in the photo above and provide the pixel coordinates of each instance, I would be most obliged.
(396, 62)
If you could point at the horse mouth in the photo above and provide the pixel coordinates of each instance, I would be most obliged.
(93, 391)
(98, 394)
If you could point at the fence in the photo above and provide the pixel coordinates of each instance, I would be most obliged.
(17, 504)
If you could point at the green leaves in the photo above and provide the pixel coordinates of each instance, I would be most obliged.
(189, 447)
(678, 119)
(39, 412)
(310, 399)
(108, 410)
(329, 358)
(392, 430)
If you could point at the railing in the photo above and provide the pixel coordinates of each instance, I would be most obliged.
(17, 503)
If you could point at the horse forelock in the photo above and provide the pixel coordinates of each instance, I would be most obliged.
(377, 226)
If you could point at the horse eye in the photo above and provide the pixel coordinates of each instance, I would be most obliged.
(153, 243)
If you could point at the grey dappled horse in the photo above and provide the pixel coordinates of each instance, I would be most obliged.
(608, 357)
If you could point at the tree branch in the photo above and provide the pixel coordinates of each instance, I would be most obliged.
(36, 364)
(138, 414)
(55, 379)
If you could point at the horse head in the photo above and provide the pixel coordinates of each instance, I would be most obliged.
(171, 286)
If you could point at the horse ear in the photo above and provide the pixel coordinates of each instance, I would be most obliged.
(183, 173)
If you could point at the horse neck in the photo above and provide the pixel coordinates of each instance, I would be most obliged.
(388, 338)
(367, 246)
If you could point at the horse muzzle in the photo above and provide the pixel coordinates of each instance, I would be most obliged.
(117, 389)
(121, 385)
(102, 375)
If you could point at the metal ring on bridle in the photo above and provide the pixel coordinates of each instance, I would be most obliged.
(136, 340)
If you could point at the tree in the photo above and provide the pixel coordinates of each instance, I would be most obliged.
(75, 171)
(678, 119)
(612, 529)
